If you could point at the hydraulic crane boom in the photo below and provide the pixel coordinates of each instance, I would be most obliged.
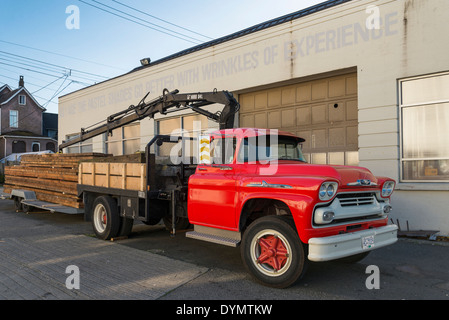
(162, 104)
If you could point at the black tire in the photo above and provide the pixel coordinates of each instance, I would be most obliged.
(126, 226)
(180, 223)
(18, 204)
(355, 258)
(283, 254)
(152, 222)
(26, 208)
(105, 218)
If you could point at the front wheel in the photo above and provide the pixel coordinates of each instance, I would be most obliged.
(273, 253)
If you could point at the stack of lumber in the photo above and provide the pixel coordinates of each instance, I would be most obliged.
(127, 158)
(53, 177)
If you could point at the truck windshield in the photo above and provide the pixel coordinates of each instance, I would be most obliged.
(270, 148)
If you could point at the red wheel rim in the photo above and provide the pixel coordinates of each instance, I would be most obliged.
(271, 252)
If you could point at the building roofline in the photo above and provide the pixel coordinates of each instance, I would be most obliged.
(258, 27)
(5, 86)
(265, 25)
(27, 137)
(28, 93)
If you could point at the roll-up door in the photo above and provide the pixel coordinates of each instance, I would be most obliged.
(324, 112)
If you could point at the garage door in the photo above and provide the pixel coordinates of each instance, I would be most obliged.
(324, 112)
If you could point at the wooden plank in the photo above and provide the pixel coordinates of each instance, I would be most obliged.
(62, 186)
(108, 176)
(143, 181)
(51, 174)
(128, 158)
(54, 197)
(124, 176)
(80, 176)
(128, 176)
(55, 193)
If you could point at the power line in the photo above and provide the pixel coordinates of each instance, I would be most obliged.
(146, 21)
(144, 25)
(54, 65)
(33, 84)
(42, 70)
(22, 66)
(27, 69)
(62, 70)
(147, 14)
(29, 76)
(32, 65)
(58, 91)
(61, 55)
(47, 85)
(34, 95)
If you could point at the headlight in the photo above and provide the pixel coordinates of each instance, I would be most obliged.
(387, 188)
(327, 190)
(323, 217)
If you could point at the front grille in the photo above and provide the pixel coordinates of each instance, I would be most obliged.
(356, 199)
(352, 207)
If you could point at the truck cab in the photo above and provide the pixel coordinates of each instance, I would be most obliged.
(257, 191)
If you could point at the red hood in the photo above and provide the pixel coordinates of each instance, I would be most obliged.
(354, 174)
(344, 174)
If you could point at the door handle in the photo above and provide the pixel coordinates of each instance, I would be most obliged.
(224, 168)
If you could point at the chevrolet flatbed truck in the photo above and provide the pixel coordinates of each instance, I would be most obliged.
(256, 191)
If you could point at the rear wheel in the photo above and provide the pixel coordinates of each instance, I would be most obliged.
(26, 208)
(180, 223)
(355, 258)
(105, 218)
(126, 226)
(18, 203)
(273, 253)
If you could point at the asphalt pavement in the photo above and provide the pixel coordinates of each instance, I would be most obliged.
(52, 256)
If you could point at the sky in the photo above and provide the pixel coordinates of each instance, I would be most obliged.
(61, 46)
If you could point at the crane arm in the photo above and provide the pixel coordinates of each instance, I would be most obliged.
(162, 104)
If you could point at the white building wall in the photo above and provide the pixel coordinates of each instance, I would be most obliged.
(411, 41)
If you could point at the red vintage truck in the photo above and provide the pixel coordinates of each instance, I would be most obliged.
(283, 211)
(254, 190)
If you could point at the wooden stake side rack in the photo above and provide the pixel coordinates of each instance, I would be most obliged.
(126, 176)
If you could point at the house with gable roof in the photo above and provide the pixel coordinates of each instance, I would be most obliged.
(21, 122)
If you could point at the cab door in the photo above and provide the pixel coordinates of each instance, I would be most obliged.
(212, 189)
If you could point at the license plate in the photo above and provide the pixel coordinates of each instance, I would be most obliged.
(367, 242)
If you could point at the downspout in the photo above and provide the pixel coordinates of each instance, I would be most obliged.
(4, 138)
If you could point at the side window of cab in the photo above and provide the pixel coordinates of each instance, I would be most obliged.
(222, 150)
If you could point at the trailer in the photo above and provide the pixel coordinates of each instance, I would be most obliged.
(26, 201)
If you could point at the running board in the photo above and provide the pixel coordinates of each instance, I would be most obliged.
(219, 236)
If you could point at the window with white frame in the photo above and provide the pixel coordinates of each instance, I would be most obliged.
(22, 100)
(424, 112)
(188, 126)
(35, 146)
(14, 118)
(124, 140)
(83, 147)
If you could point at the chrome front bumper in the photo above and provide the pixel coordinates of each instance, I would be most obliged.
(348, 244)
